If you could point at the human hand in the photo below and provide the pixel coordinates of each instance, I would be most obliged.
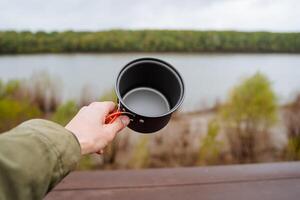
(90, 129)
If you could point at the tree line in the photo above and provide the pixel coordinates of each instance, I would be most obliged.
(12, 42)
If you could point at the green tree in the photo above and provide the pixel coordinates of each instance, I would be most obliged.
(12, 42)
(248, 113)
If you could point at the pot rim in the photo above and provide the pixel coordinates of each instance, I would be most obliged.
(162, 63)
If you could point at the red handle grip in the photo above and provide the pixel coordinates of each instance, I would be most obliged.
(112, 117)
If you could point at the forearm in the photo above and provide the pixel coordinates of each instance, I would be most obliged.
(34, 157)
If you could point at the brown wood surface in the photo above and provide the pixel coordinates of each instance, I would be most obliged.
(254, 181)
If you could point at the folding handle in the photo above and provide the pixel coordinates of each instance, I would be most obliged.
(113, 116)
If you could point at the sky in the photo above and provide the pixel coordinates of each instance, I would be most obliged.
(94, 15)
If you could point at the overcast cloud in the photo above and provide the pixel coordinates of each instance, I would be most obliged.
(247, 15)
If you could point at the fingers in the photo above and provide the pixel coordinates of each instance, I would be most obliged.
(100, 152)
(112, 129)
(120, 123)
(103, 108)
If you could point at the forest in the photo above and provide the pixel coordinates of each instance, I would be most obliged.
(12, 42)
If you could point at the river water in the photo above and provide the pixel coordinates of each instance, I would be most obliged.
(208, 77)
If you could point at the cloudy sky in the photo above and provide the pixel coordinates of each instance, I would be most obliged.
(247, 15)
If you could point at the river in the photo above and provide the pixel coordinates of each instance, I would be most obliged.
(208, 77)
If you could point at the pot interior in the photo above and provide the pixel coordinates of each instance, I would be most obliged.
(146, 101)
(149, 87)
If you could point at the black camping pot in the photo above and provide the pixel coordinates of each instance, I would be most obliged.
(149, 90)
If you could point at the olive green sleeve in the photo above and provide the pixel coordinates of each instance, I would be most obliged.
(34, 157)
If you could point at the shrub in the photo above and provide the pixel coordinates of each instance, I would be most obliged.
(210, 148)
(44, 91)
(292, 122)
(109, 95)
(13, 112)
(65, 113)
(248, 113)
(141, 153)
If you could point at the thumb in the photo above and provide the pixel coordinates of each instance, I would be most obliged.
(120, 123)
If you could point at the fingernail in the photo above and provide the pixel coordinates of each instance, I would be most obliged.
(125, 120)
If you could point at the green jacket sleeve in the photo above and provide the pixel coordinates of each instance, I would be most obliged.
(34, 157)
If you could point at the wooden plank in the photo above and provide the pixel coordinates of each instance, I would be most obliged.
(259, 181)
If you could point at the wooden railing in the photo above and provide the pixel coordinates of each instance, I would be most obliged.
(255, 181)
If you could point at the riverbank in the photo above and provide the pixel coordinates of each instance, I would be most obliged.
(181, 144)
